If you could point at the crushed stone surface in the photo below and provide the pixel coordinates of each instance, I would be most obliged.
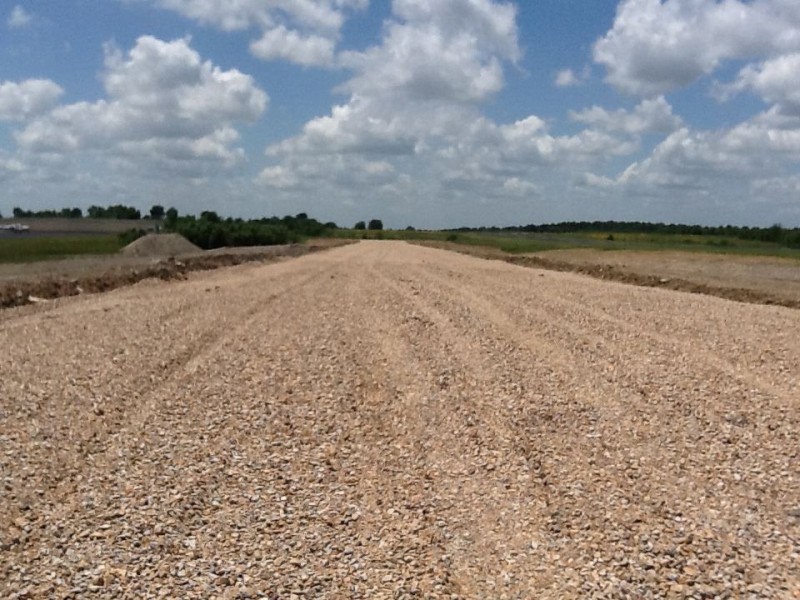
(384, 420)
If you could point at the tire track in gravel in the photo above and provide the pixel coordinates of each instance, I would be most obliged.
(784, 352)
(91, 419)
(777, 466)
(386, 421)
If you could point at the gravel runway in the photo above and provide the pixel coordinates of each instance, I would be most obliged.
(384, 420)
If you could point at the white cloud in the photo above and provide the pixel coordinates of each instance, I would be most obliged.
(566, 78)
(10, 167)
(438, 60)
(292, 46)
(776, 80)
(165, 106)
(656, 46)
(20, 101)
(650, 116)
(415, 102)
(438, 50)
(278, 177)
(19, 17)
(301, 31)
(520, 187)
(766, 147)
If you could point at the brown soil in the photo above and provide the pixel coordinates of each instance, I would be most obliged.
(26, 284)
(160, 244)
(391, 421)
(752, 279)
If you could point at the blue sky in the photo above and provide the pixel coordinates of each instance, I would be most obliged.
(435, 113)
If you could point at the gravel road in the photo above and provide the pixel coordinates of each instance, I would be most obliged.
(384, 420)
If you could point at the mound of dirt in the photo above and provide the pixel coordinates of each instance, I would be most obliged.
(160, 244)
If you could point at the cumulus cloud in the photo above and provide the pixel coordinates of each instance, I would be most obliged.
(569, 78)
(439, 59)
(300, 31)
(650, 116)
(765, 147)
(775, 80)
(282, 43)
(448, 50)
(164, 104)
(654, 46)
(26, 99)
(19, 17)
(415, 105)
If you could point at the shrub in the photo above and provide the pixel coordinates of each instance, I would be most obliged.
(126, 237)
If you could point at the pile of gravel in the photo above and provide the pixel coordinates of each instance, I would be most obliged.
(160, 244)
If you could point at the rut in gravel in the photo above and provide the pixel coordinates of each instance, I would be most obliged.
(390, 421)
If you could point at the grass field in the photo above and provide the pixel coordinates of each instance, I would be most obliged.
(519, 243)
(18, 249)
(43, 247)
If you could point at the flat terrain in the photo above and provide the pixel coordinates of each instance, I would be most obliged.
(767, 274)
(385, 420)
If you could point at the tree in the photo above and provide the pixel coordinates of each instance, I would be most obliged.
(157, 211)
(360, 225)
(172, 218)
(18, 212)
(376, 225)
(210, 216)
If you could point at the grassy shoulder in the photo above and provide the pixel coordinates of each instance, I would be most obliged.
(22, 249)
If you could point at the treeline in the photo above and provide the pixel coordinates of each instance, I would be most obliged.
(775, 234)
(115, 211)
(209, 230)
(64, 213)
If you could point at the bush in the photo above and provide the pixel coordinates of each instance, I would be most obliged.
(207, 234)
(126, 237)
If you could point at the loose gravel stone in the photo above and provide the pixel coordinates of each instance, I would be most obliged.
(390, 421)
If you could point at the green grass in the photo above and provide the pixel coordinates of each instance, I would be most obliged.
(685, 243)
(31, 249)
(518, 243)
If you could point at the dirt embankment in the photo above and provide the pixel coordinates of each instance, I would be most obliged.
(390, 421)
(755, 280)
(108, 274)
